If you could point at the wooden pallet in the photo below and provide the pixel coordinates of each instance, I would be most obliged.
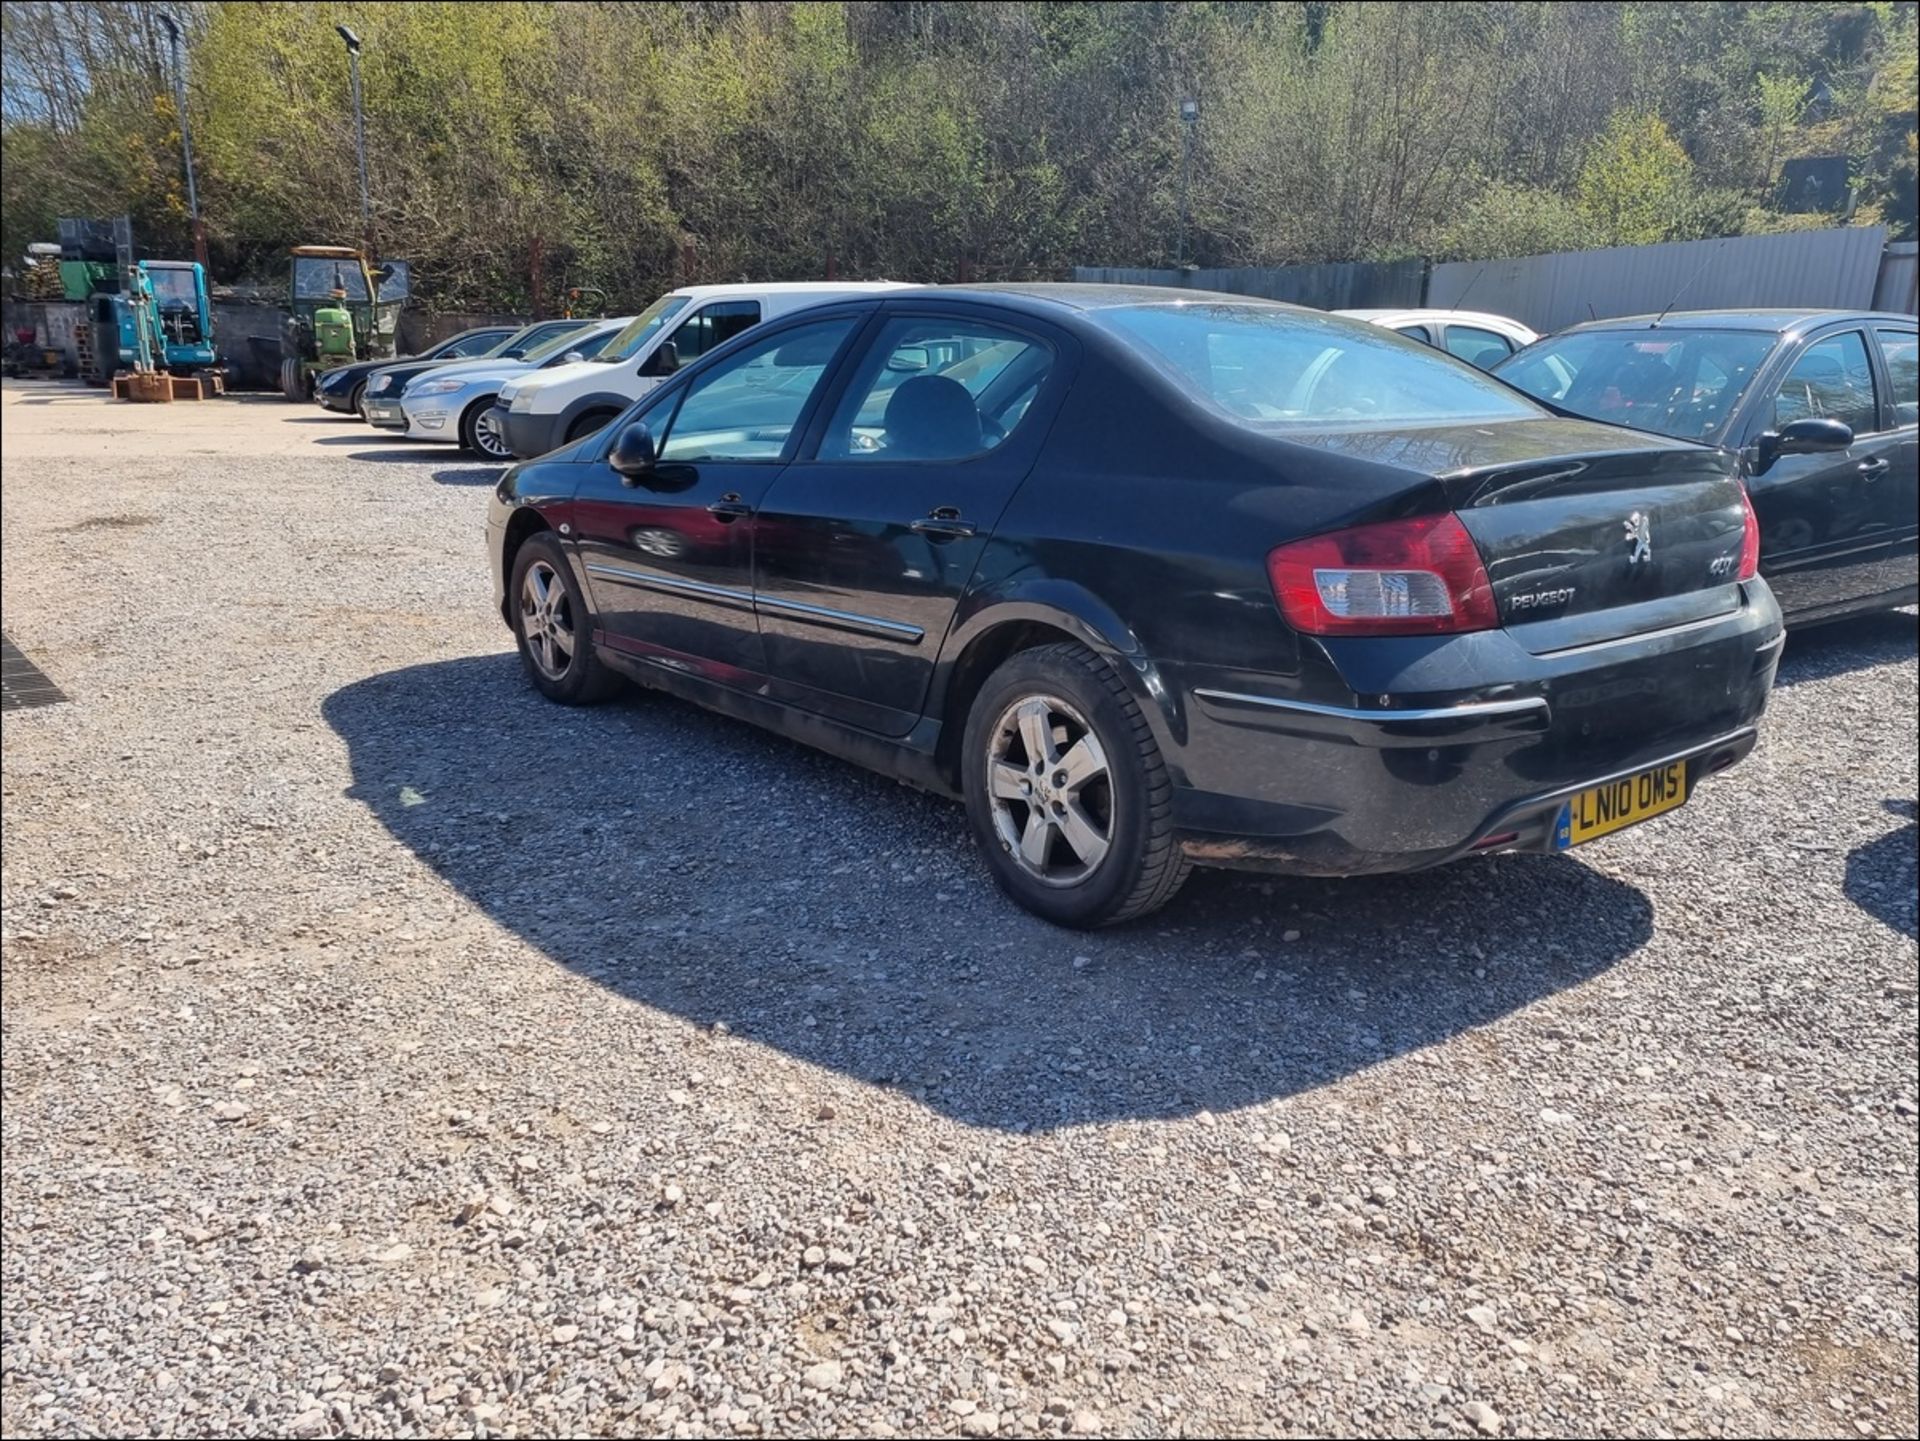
(163, 387)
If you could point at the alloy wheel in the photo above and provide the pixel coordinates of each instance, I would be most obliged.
(488, 438)
(1051, 790)
(546, 620)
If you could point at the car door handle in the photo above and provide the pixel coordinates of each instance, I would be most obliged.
(1873, 469)
(730, 507)
(943, 523)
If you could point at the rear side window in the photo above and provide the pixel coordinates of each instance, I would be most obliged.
(1276, 367)
(937, 389)
(1483, 348)
(714, 325)
(1901, 350)
(1832, 380)
(1416, 332)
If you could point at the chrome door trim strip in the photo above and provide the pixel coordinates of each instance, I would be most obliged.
(670, 585)
(1472, 710)
(843, 619)
(721, 595)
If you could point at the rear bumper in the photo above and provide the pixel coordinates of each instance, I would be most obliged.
(1272, 781)
(528, 433)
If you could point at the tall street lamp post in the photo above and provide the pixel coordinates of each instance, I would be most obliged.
(359, 139)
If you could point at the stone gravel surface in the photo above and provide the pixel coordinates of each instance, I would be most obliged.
(390, 1053)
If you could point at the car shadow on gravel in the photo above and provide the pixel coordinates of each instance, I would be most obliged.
(469, 475)
(1880, 874)
(1822, 652)
(704, 867)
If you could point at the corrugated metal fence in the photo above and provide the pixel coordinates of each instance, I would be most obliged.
(1850, 268)
(1359, 285)
(1899, 285)
(1808, 268)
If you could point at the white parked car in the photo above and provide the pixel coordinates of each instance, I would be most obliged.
(1473, 335)
(455, 403)
(548, 409)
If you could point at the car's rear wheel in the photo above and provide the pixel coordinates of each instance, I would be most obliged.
(586, 425)
(480, 431)
(554, 627)
(1067, 792)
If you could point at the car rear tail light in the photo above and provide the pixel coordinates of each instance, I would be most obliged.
(1400, 577)
(1749, 540)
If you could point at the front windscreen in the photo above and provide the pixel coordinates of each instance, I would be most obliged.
(173, 288)
(1683, 383)
(642, 328)
(555, 345)
(1278, 367)
(317, 277)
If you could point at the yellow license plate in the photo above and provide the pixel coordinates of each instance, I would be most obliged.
(1602, 810)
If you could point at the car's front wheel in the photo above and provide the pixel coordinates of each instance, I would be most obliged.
(357, 403)
(1066, 790)
(554, 627)
(480, 431)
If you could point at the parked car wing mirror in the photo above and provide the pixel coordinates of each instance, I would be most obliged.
(1814, 435)
(572, 357)
(633, 454)
(663, 361)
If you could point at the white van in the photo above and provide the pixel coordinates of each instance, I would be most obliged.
(547, 409)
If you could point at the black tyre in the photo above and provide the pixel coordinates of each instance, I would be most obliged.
(357, 402)
(586, 425)
(554, 626)
(1067, 792)
(290, 383)
(480, 431)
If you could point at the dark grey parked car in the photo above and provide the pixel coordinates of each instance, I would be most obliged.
(1821, 406)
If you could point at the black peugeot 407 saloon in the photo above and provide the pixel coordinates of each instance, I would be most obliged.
(1151, 578)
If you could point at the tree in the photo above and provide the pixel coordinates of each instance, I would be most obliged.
(1636, 182)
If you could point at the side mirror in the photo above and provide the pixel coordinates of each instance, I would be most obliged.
(571, 357)
(663, 361)
(1813, 436)
(633, 455)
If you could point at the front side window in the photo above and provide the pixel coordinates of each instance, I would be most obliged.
(932, 389)
(746, 407)
(1281, 367)
(714, 325)
(562, 342)
(1484, 348)
(1416, 332)
(1901, 351)
(1682, 383)
(1832, 380)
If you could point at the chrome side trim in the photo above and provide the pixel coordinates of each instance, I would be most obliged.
(1472, 710)
(844, 619)
(743, 600)
(671, 585)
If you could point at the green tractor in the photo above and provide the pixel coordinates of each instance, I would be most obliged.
(343, 309)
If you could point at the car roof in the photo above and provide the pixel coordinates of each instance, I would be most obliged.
(791, 287)
(1778, 322)
(1092, 296)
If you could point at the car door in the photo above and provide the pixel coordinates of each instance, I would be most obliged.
(1898, 486)
(668, 557)
(864, 546)
(1823, 529)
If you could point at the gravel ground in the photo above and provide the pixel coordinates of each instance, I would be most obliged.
(388, 1052)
